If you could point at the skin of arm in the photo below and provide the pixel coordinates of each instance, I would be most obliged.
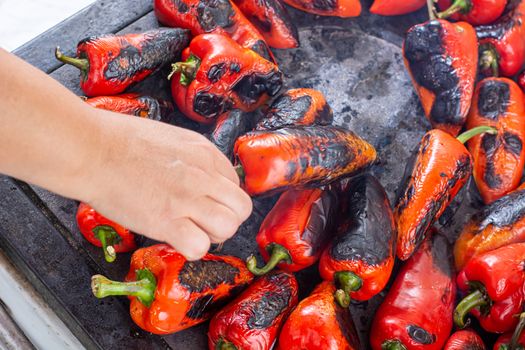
(162, 181)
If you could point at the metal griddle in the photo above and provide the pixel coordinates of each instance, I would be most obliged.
(356, 63)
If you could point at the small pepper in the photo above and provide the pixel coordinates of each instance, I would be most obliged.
(442, 167)
(217, 75)
(297, 229)
(110, 63)
(361, 257)
(513, 341)
(297, 107)
(442, 59)
(311, 155)
(227, 129)
(495, 282)
(465, 340)
(502, 48)
(104, 233)
(132, 104)
(318, 322)
(498, 159)
(169, 293)
(339, 8)
(475, 12)
(253, 320)
(417, 311)
(496, 225)
(212, 16)
(396, 7)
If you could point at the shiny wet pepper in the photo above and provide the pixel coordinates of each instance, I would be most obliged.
(464, 340)
(396, 7)
(475, 12)
(339, 8)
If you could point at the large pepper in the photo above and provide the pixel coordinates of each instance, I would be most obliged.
(361, 257)
(217, 75)
(339, 8)
(169, 293)
(253, 320)
(297, 107)
(132, 104)
(498, 159)
(464, 340)
(442, 166)
(475, 12)
(110, 63)
(396, 7)
(514, 340)
(495, 282)
(417, 312)
(502, 44)
(442, 59)
(227, 129)
(212, 16)
(297, 229)
(496, 225)
(318, 322)
(104, 233)
(277, 159)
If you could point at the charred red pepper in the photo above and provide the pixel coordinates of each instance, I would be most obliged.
(212, 16)
(396, 7)
(169, 293)
(498, 159)
(495, 282)
(475, 12)
(318, 322)
(227, 129)
(417, 311)
(277, 159)
(442, 166)
(465, 340)
(339, 8)
(110, 63)
(496, 225)
(513, 341)
(297, 107)
(253, 320)
(361, 257)
(104, 233)
(442, 59)
(132, 104)
(217, 75)
(297, 229)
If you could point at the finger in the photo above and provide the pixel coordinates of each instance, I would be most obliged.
(211, 157)
(217, 220)
(187, 238)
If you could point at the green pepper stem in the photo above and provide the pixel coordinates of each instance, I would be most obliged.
(463, 6)
(431, 10)
(80, 63)
(277, 252)
(224, 345)
(467, 135)
(514, 341)
(108, 237)
(342, 298)
(470, 302)
(240, 172)
(187, 69)
(488, 60)
(347, 282)
(393, 345)
(143, 288)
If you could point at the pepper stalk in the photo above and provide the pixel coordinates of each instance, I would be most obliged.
(224, 345)
(187, 69)
(393, 345)
(80, 63)
(143, 288)
(108, 237)
(347, 282)
(277, 253)
(478, 298)
(458, 6)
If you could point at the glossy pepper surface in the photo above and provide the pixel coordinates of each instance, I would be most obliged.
(274, 160)
(318, 322)
(227, 129)
(417, 311)
(495, 282)
(297, 229)
(396, 7)
(212, 16)
(361, 256)
(475, 12)
(217, 75)
(498, 159)
(132, 104)
(169, 293)
(496, 225)
(253, 320)
(339, 8)
(297, 107)
(442, 59)
(464, 340)
(110, 63)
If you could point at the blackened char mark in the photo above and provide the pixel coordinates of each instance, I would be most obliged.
(490, 144)
(499, 29)
(370, 229)
(260, 21)
(153, 108)
(325, 5)
(512, 143)
(251, 87)
(346, 326)
(260, 47)
(202, 275)
(420, 335)
(285, 111)
(234, 68)
(227, 130)
(406, 189)
(180, 5)
(442, 255)
(216, 72)
(199, 307)
(506, 211)
(213, 14)
(207, 305)
(276, 9)
(211, 105)
(494, 99)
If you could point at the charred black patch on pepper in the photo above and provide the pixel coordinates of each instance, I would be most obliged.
(494, 99)
(276, 9)
(262, 49)
(512, 143)
(346, 326)
(420, 335)
(272, 304)
(406, 191)
(153, 108)
(505, 211)
(442, 255)
(226, 131)
(251, 87)
(490, 144)
(501, 27)
(216, 72)
(201, 275)
(325, 5)
(234, 68)
(213, 14)
(211, 105)
(199, 306)
(180, 5)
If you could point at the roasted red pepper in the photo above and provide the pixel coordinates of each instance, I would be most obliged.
(502, 45)
(297, 229)
(498, 159)
(361, 257)
(496, 225)
(212, 16)
(396, 7)
(297, 107)
(318, 322)
(132, 104)
(521, 81)
(442, 166)
(110, 63)
(475, 12)
(442, 59)
(513, 341)
(253, 320)
(417, 312)
(217, 75)
(277, 159)
(227, 129)
(169, 293)
(465, 340)
(339, 8)
(495, 282)
(104, 233)
(272, 20)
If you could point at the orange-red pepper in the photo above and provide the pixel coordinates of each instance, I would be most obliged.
(132, 104)
(339, 8)
(475, 12)
(464, 340)
(396, 7)
(514, 340)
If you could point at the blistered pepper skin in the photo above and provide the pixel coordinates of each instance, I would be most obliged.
(442, 59)
(465, 340)
(396, 7)
(475, 12)
(339, 8)
(253, 320)
(132, 104)
(227, 129)
(498, 159)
